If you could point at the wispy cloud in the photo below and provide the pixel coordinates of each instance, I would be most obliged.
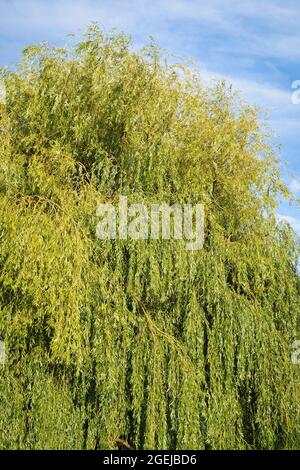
(295, 186)
(292, 221)
(275, 35)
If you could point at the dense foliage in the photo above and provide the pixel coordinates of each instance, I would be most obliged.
(140, 341)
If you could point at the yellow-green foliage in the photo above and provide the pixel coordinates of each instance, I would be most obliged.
(140, 340)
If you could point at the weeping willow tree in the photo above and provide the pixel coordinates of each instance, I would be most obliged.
(140, 341)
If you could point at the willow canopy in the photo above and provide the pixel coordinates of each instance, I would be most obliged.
(140, 342)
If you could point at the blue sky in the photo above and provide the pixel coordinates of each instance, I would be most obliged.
(253, 44)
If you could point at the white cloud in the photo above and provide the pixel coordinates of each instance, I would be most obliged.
(295, 185)
(292, 221)
(258, 92)
(277, 36)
